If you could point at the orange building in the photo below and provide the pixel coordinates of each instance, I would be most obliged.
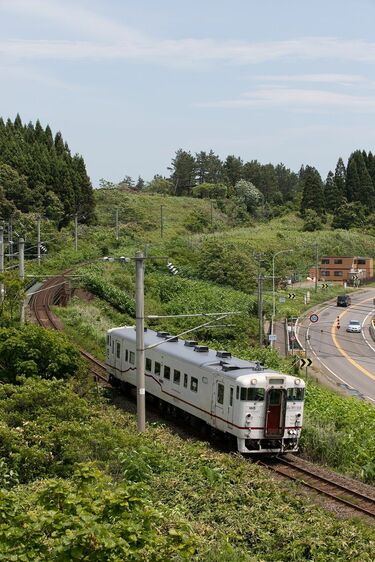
(343, 268)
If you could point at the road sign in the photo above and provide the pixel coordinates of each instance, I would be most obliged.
(282, 299)
(305, 362)
(325, 286)
(291, 295)
(272, 337)
(314, 318)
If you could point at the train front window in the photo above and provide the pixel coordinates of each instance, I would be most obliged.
(252, 394)
(295, 394)
(132, 357)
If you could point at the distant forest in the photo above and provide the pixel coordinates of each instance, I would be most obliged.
(265, 190)
(39, 174)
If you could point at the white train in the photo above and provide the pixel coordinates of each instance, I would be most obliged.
(261, 408)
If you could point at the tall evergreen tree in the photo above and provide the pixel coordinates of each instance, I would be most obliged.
(331, 193)
(183, 174)
(352, 185)
(313, 196)
(365, 193)
(340, 180)
(233, 169)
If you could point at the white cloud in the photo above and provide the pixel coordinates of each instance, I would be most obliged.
(340, 79)
(296, 99)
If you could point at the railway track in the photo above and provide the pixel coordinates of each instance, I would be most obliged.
(337, 492)
(53, 292)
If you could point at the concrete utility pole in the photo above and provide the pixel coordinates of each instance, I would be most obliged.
(38, 239)
(1, 262)
(76, 232)
(274, 292)
(117, 227)
(140, 351)
(260, 307)
(21, 266)
(10, 240)
(161, 221)
(316, 266)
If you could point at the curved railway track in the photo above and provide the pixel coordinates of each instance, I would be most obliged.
(337, 492)
(53, 292)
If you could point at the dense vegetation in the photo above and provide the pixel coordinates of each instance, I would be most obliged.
(39, 174)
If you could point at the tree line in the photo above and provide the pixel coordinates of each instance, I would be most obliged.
(39, 174)
(348, 193)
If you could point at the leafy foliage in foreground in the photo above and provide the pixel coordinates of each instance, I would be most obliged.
(112, 494)
(93, 281)
(29, 350)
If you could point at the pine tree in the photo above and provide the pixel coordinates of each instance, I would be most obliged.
(340, 180)
(352, 185)
(366, 192)
(183, 170)
(331, 193)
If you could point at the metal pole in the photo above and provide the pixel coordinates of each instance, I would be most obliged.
(161, 221)
(1, 262)
(76, 232)
(38, 239)
(140, 352)
(316, 266)
(21, 265)
(273, 300)
(117, 224)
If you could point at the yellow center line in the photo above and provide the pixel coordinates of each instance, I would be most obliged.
(342, 351)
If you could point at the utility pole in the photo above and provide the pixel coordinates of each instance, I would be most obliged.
(76, 232)
(117, 228)
(38, 239)
(1, 262)
(260, 307)
(316, 266)
(161, 221)
(21, 267)
(140, 351)
(10, 240)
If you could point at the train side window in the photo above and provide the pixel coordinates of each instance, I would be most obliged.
(185, 380)
(237, 392)
(176, 376)
(194, 384)
(148, 364)
(113, 346)
(118, 350)
(157, 368)
(108, 340)
(295, 394)
(167, 372)
(126, 355)
(231, 396)
(220, 393)
(132, 357)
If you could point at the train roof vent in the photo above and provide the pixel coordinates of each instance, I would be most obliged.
(258, 366)
(162, 334)
(228, 367)
(223, 354)
(201, 348)
(172, 338)
(190, 343)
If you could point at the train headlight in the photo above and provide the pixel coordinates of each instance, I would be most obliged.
(297, 381)
(292, 431)
(253, 381)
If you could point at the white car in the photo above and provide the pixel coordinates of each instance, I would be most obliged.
(354, 326)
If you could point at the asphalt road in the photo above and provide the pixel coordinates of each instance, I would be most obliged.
(346, 358)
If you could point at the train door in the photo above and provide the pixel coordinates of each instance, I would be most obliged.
(275, 412)
(230, 406)
(217, 406)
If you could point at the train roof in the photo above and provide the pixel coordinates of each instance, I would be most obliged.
(200, 356)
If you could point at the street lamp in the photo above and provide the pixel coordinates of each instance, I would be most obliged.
(273, 290)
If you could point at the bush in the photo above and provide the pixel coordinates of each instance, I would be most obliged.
(33, 351)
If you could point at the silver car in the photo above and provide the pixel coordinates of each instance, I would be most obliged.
(354, 326)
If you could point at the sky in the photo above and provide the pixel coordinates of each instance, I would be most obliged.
(130, 82)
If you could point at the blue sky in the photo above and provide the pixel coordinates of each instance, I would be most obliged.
(128, 83)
